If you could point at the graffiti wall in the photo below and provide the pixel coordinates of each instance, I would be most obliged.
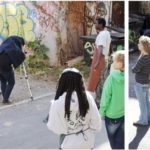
(59, 23)
(16, 19)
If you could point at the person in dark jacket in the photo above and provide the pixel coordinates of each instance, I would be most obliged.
(11, 55)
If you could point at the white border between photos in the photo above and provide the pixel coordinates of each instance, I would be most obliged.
(126, 13)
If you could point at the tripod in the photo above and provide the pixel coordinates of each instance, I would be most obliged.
(26, 77)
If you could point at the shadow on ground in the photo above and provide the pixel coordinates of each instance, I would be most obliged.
(140, 133)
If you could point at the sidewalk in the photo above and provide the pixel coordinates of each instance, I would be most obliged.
(40, 86)
(22, 127)
(22, 122)
(138, 136)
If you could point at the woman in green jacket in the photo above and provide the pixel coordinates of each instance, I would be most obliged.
(112, 103)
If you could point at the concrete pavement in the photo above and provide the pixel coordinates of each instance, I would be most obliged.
(22, 127)
(40, 84)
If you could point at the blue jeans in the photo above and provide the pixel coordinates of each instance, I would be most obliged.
(142, 94)
(7, 83)
(115, 132)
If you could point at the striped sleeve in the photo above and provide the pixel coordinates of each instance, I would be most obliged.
(138, 66)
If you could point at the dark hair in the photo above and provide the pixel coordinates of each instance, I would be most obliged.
(101, 21)
(69, 82)
(19, 41)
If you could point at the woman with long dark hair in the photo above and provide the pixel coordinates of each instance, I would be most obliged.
(73, 113)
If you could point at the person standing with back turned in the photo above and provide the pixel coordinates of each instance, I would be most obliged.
(73, 113)
(112, 102)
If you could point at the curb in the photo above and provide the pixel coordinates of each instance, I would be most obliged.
(26, 101)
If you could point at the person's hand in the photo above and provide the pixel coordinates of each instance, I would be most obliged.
(103, 117)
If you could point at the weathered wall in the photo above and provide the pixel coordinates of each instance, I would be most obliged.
(32, 20)
(52, 22)
(139, 7)
(60, 24)
(118, 14)
(75, 26)
(134, 7)
(145, 7)
(17, 19)
(94, 9)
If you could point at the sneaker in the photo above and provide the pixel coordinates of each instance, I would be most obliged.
(6, 102)
(139, 124)
(46, 119)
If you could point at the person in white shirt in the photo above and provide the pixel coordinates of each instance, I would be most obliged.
(100, 58)
(73, 113)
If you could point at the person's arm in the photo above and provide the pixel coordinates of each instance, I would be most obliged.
(138, 66)
(106, 97)
(95, 119)
(100, 49)
(55, 121)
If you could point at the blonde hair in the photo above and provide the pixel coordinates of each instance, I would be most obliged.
(145, 41)
(118, 57)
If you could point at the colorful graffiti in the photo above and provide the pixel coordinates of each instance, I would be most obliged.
(88, 52)
(15, 20)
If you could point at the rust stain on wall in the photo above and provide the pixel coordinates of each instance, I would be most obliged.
(75, 27)
(92, 10)
(49, 15)
(118, 14)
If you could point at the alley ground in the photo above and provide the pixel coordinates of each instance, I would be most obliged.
(138, 137)
(40, 86)
(22, 127)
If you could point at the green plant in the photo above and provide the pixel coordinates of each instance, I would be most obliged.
(55, 72)
(120, 47)
(38, 61)
(133, 37)
(85, 69)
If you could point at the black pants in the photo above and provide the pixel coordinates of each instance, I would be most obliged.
(7, 83)
(62, 136)
(115, 132)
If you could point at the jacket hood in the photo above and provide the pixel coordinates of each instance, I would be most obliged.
(118, 76)
(12, 46)
(11, 43)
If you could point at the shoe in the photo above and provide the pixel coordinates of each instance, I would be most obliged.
(6, 102)
(46, 119)
(139, 124)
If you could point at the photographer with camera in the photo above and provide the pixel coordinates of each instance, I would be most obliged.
(11, 56)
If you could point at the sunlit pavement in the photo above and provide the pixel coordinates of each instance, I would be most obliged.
(22, 127)
(138, 136)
